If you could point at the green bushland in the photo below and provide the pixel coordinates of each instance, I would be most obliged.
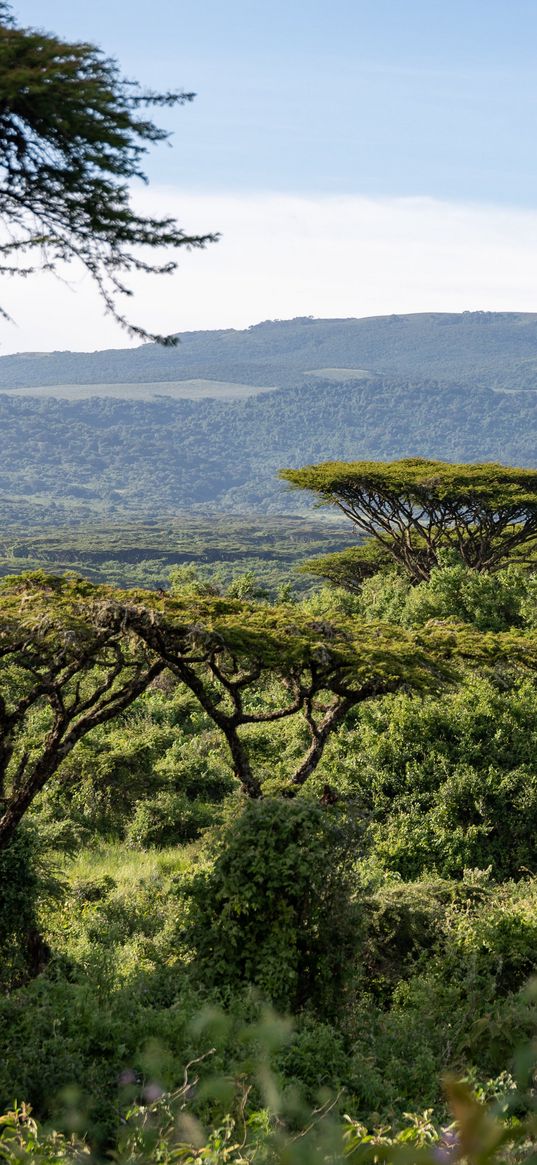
(439, 981)
(273, 908)
(389, 905)
(155, 776)
(222, 549)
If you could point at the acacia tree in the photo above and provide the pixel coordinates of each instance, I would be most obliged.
(414, 510)
(74, 656)
(251, 665)
(67, 664)
(73, 133)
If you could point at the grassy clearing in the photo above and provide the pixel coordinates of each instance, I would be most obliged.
(153, 390)
(341, 374)
(127, 867)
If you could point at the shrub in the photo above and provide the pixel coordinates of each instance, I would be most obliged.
(489, 602)
(315, 1059)
(24, 882)
(273, 908)
(170, 818)
(444, 783)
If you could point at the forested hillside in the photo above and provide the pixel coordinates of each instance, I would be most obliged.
(107, 457)
(491, 348)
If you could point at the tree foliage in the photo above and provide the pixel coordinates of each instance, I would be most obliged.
(72, 135)
(417, 509)
(351, 567)
(250, 665)
(68, 664)
(74, 656)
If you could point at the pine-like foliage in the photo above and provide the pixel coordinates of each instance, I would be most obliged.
(72, 136)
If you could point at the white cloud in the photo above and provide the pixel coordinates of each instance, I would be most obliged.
(282, 256)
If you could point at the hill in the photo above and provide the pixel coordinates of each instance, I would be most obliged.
(494, 349)
(146, 433)
(102, 458)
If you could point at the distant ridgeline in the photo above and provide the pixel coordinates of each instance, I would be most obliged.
(149, 431)
(495, 349)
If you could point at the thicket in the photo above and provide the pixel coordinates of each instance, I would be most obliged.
(389, 903)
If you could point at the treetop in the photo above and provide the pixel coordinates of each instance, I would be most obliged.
(421, 479)
(344, 650)
(73, 132)
(417, 508)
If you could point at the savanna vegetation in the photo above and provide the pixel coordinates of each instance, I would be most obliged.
(268, 859)
(225, 551)
(267, 847)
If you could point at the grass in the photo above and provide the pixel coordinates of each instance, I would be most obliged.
(341, 374)
(127, 867)
(194, 389)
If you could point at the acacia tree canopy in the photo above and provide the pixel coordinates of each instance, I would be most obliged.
(251, 664)
(72, 135)
(415, 510)
(74, 656)
(350, 568)
(67, 664)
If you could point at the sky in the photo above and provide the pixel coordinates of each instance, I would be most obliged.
(359, 157)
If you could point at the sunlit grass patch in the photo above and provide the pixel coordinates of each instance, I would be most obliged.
(126, 866)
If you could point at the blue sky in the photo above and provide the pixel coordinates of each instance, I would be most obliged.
(387, 111)
(376, 97)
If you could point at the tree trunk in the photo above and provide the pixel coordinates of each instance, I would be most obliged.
(320, 737)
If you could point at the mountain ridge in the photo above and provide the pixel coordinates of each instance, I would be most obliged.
(473, 346)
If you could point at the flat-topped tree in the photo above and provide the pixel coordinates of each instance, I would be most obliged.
(417, 509)
(68, 663)
(251, 664)
(74, 655)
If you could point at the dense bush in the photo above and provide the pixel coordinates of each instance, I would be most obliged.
(25, 882)
(390, 906)
(170, 818)
(151, 777)
(273, 907)
(489, 602)
(445, 783)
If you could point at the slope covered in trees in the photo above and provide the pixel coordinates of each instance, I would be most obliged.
(494, 348)
(109, 457)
